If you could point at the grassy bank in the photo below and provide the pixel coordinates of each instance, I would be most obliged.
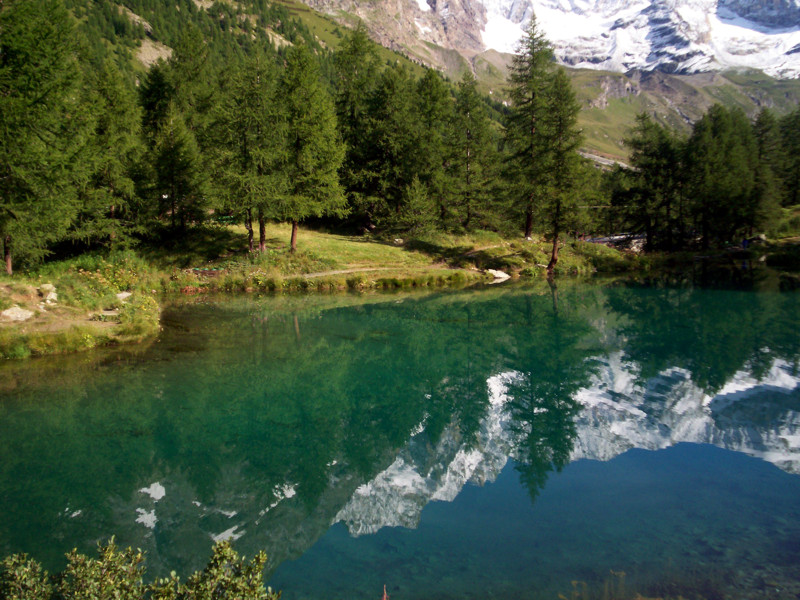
(102, 299)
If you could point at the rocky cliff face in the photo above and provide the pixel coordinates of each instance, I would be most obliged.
(673, 36)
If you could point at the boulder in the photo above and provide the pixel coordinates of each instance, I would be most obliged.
(498, 275)
(15, 313)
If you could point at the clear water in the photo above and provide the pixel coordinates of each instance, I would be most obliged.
(591, 441)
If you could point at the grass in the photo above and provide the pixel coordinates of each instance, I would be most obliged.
(89, 313)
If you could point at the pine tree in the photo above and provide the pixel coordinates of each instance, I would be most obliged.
(179, 176)
(108, 203)
(356, 75)
(526, 134)
(43, 127)
(314, 152)
(472, 157)
(250, 143)
(790, 171)
(434, 111)
(656, 156)
(722, 156)
(394, 140)
(559, 204)
(769, 189)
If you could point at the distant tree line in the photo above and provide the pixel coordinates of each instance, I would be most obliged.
(95, 152)
(727, 180)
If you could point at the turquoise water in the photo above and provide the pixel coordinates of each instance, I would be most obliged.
(588, 440)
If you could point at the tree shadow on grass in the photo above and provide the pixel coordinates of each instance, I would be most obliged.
(195, 246)
(465, 257)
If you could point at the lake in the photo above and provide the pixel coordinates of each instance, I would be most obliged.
(589, 440)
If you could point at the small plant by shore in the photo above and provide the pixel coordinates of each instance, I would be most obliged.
(119, 573)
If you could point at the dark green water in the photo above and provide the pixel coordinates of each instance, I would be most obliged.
(503, 443)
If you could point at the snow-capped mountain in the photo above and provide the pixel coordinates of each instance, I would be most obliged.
(618, 414)
(673, 36)
(681, 36)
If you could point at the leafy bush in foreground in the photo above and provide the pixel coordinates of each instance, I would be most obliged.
(119, 574)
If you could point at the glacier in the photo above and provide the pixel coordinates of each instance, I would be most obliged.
(674, 36)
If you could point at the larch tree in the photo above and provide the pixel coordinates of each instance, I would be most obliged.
(314, 151)
(559, 204)
(180, 179)
(769, 189)
(434, 109)
(656, 155)
(108, 202)
(356, 68)
(722, 157)
(472, 156)
(249, 133)
(394, 139)
(530, 78)
(43, 127)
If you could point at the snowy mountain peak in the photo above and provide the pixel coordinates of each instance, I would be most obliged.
(676, 36)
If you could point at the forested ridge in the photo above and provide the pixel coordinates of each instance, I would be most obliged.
(251, 119)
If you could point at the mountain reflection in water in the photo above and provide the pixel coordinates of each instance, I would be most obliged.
(267, 421)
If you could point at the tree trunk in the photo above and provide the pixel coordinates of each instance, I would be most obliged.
(529, 221)
(113, 234)
(553, 257)
(553, 294)
(7, 254)
(293, 245)
(248, 223)
(262, 232)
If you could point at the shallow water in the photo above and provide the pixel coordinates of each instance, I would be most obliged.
(590, 440)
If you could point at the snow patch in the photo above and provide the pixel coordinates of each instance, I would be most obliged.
(147, 518)
(156, 491)
(229, 535)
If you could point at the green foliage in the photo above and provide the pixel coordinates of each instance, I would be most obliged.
(119, 574)
(114, 574)
(43, 125)
(226, 577)
(472, 161)
(22, 578)
(419, 213)
(314, 149)
(139, 317)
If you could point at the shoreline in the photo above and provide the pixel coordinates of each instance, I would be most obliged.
(100, 301)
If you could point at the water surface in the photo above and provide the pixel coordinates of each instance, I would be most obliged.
(509, 442)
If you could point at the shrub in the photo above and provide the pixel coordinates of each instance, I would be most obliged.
(139, 316)
(119, 574)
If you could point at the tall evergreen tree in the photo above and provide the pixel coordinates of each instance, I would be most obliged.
(560, 202)
(250, 142)
(722, 155)
(356, 66)
(179, 176)
(314, 151)
(790, 173)
(108, 203)
(472, 156)
(434, 111)
(43, 127)
(394, 138)
(655, 206)
(769, 190)
(526, 135)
